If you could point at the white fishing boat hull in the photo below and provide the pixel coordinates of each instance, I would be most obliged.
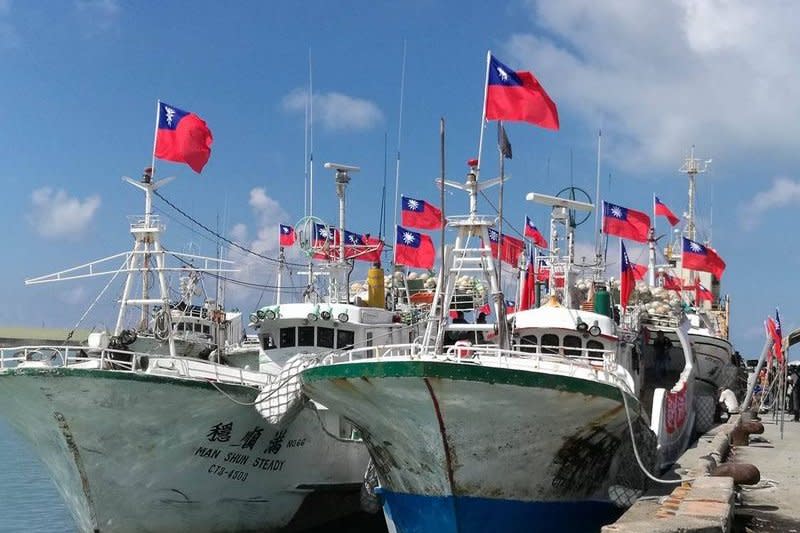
(131, 452)
(715, 366)
(463, 447)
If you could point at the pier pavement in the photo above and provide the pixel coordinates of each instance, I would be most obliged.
(714, 504)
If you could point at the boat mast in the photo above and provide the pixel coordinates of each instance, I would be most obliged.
(147, 237)
(692, 167)
(341, 268)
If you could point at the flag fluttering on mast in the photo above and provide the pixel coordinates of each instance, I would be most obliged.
(518, 95)
(182, 137)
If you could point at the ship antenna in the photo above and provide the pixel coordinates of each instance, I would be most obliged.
(597, 238)
(397, 162)
(692, 167)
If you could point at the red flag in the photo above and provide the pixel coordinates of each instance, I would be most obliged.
(528, 292)
(672, 283)
(639, 271)
(486, 309)
(625, 223)
(698, 257)
(420, 214)
(701, 294)
(518, 96)
(532, 232)
(627, 279)
(661, 209)
(510, 247)
(777, 340)
(286, 235)
(413, 249)
(543, 272)
(182, 137)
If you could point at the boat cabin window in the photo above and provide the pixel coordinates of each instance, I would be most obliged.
(287, 337)
(345, 339)
(594, 345)
(369, 338)
(550, 343)
(207, 329)
(572, 345)
(325, 337)
(267, 342)
(305, 336)
(528, 343)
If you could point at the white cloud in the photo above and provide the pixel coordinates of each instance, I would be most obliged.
(782, 193)
(9, 36)
(75, 295)
(269, 214)
(660, 76)
(336, 111)
(56, 214)
(98, 16)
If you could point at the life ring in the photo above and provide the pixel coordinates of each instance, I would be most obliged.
(463, 349)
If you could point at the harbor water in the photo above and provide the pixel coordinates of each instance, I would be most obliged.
(28, 498)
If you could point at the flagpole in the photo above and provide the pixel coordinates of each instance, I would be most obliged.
(483, 110)
(597, 202)
(441, 277)
(397, 162)
(155, 140)
(651, 274)
(500, 207)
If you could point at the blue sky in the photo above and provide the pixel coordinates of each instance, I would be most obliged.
(82, 79)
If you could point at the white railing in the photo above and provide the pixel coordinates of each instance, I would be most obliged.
(79, 357)
(601, 363)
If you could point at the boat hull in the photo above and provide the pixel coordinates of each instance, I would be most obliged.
(461, 447)
(714, 361)
(135, 452)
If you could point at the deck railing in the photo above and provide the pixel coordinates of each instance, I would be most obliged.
(18, 357)
(601, 363)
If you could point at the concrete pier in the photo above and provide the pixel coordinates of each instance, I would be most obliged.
(715, 504)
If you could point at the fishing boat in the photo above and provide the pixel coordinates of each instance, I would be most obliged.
(708, 312)
(540, 428)
(161, 440)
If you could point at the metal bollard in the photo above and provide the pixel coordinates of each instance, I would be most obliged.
(742, 473)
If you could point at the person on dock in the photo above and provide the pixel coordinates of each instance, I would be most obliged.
(727, 403)
(795, 381)
(661, 346)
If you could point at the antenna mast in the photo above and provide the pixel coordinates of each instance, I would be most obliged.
(692, 167)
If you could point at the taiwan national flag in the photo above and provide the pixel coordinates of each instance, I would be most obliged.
(323, 233)
(627, 278)
(625, 223)
(527, 297)
(532, 232)
(518, 96)
(639, 271)
(359, 247)
(661, 209)
(671, 283)
(511, 306)
(701, 294)
(182, 137)
(413, 249)
(510, 247)
(774, 330)
(543, 272)
(420, 214)
(286, 235)
(703, 258)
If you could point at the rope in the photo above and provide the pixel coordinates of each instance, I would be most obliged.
(322, 425)
(218, 236)
(636, 450)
